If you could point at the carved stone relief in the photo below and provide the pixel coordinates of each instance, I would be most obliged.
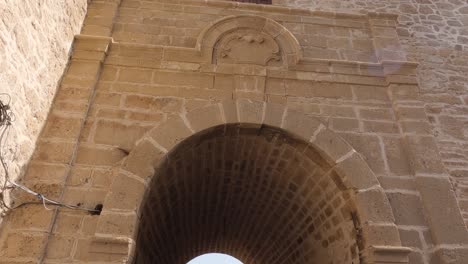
(247, 46)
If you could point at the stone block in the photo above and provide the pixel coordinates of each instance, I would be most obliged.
(101, 178)
(143, 160)
(101, 249)
(397, 159)
(24, 245)
(183, 54)
(404, 113)
(68, 224)
(117, 224)
(450, 256)
(84, 197)
(404, 92)
(135, 75)
(99, 156)
(61, 247)
(370, 93)
(370, 149)
(89, 225)
(224, 82)
(249, 83)
(407, 209)
(204, 94)
(274, 114)
(58, 152)
(380, 127)
(107, 99)
(250, 111)
(373, 206)
(70, 107)
(376, 114)
(410, 238)
(337, 111)
(397, 182)
(423, 154)
(53, 173)
(416, 127)
(442, 211)
(230, 111)
(32, 217)
(344, 124)
(87, 70)
(150, 118)
(67, 93)
(49, 190)
(275, 86)
(122, 135)
(126, 193)
(70, 81)
(62, 126)
(91, 43)
(164, 104)
(188, 79)
(79, 176)
(204, 118)
(106, 113)
(88, 55)
(330, 145)
(171, 132)
(300, 124)
(384, 234)
(386, 254)
(356, 173)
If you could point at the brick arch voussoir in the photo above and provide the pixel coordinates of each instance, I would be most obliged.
(374, 216)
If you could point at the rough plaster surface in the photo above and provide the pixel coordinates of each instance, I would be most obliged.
(35, 39)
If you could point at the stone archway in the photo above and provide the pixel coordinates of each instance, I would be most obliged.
(370, 216)
(255, 193)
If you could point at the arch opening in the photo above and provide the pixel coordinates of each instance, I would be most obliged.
(263, 196)
(215, 258)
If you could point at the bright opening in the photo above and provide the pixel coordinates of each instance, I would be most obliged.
(214, 258)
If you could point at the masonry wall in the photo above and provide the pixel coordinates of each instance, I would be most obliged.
(35, 41)
(435, 34)
(133, 87)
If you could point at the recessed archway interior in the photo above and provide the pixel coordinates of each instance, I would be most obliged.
(256, 193)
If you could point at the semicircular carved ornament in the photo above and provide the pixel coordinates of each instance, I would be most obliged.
(247, 46)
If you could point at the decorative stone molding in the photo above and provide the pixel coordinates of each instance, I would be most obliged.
(110, 249)
(223, 35)
(386, 255)
(247, 47)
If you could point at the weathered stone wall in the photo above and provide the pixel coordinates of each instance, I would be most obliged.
(138, 100)
(433, 33)
(35, 40)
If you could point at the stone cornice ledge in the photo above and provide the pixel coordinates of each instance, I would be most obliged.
(305, 64)
(386, 254)
(384, 67)
(286, 10)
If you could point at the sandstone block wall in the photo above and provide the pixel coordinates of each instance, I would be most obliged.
(433, 33)
(35, 41)
(137, 100)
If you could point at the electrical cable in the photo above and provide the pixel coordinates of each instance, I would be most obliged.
(6, 119)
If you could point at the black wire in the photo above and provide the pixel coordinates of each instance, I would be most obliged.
(5, 122)
(6, 119)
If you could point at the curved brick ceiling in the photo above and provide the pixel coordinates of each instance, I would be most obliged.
(262, 198)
